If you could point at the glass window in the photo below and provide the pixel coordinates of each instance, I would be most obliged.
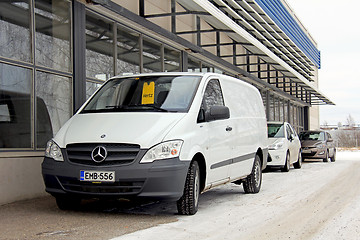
(207, 68)
(194, 65)
(315, 136)
(53, 105)
(4, 112)
(282, 117)
(91, 87)
(15, 107)
(53, 34)
(15, 40)
(128, 53)
(271, 108)
(151, 56)
(276, 130)
(151, 93)
(171, 60)
(213, 96)
(99, 47)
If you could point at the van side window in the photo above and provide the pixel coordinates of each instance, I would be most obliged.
(212, 97)
(4, 113)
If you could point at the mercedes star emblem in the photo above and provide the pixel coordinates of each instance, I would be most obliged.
(99, 154)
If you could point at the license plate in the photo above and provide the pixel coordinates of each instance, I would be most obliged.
(97, 176)
(306, 151)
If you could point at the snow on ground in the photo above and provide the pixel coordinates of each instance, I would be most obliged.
(319, 201)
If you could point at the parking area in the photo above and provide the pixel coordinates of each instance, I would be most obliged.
(318, 201)
(41, 219)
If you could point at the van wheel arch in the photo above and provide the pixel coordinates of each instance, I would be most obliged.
(202, 165)
(259, 152)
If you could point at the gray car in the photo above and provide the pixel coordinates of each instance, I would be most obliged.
(317, 144)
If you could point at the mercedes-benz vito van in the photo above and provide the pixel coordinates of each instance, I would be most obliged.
(167, 136)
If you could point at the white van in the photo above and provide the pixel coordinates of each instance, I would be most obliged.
(167, 136)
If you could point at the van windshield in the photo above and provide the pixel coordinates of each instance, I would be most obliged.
(148, 93)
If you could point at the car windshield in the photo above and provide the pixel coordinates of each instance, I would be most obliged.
(315, 136)
(276, 131)
(147, 93)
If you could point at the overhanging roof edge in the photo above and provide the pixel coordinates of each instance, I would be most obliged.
(220, 16)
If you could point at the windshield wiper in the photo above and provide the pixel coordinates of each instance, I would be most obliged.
(148, 106)
(115, 106)
(159, 108)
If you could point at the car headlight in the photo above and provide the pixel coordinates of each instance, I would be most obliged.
(321, 145)
(163, 150)
(53, 151)
(276, 146)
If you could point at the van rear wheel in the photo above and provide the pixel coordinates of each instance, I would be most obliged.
(252, 183)
(188, 203)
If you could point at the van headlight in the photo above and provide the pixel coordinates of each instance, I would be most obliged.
(276, 146)
(165, 150)
(53, 151)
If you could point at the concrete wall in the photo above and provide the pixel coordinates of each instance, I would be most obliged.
(20, 178)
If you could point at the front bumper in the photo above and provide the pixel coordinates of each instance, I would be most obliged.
(162, 179)
(276, 158)
(313, 153)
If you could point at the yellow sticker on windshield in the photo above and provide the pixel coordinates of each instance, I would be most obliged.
(148, 93)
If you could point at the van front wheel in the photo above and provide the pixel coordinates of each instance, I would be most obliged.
(188, 203)
(252, 183)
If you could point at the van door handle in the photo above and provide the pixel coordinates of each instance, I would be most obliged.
(228, 129)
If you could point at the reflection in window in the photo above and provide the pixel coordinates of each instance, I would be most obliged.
(99, 47)
(128, 54)
(91, 87)
(15, 102)
(54, 92)
(271, 108)
(207, 68)
(151, 56)
(194, 65)
(53, 34)
(212, 96)
(15, 38)
(171, 60)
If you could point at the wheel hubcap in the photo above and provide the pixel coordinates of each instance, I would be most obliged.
(257, 174)
(196, 187)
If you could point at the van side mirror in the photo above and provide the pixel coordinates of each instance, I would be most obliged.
(218, 113)
(330, 140)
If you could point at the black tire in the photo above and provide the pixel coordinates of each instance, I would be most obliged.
(189, 202)
(68, 203)
(326, 159)
(333, 158)
(298, 164)
(252, 183)
(286, 166)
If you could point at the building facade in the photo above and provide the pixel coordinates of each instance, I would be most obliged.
(55, 54)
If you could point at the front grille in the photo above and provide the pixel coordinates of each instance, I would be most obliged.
(309, 154)
(122, 187)
(116, 153)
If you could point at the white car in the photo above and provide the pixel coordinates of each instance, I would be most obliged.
(284, 146)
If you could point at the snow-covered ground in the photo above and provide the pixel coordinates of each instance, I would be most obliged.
(318, 201)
